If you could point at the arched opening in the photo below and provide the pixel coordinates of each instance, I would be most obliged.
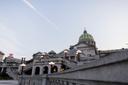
(45, 70)
(0, 70)
(54, 69)
(37, 71)
(63, 67)
(28, 72)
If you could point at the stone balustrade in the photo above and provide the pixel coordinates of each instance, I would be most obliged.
(110, 70)
(9, 65)
(32, 80)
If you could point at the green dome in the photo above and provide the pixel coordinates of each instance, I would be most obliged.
(85, 37)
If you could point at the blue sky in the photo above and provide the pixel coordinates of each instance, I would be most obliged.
(29, 26)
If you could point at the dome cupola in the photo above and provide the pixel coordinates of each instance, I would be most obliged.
(86, 38)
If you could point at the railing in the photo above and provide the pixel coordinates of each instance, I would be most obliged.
(12, 73)
(80, 82)
(69, 63)
(8, 65)
(32, 80)
(110, 70)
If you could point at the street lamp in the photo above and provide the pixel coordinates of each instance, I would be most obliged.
(51, 65)
(22, 67)
(65, 53)
(41, 56)
(44, 55)
(78, 52)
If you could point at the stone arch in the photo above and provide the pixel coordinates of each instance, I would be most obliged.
(37, 70)
(63, 67)
(54, 69)
(29, 71)
(45, 70)
(0, 69)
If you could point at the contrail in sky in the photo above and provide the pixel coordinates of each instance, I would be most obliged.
(41, 15)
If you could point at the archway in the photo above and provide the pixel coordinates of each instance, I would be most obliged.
(54, 69)
(28, 72)
(0, 69)
(45, 70)
(64, 67)
(37, 71)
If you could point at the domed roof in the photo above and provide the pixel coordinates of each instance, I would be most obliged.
(52, 52)
(86, 37)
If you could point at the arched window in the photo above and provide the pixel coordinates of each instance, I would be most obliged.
(45, 70)
(37, 71)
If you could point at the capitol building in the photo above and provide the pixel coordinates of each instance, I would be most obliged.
(80, 64)
(81, 53)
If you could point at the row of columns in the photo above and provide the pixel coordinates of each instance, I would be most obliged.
(62, 82)
(36, 81)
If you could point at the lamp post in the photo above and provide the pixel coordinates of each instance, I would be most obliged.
(41, 56)
(22, 65)
(65, 53)
(78, 52)
(22, 68)
(51, 65)
(45, 55)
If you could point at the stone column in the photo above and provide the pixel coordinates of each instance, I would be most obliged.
(64, 83)
(41, 70)
(49, 69)
(69, 57)
(67, 83)
(76, 58)
(33, 70)
(70, 83)
(59, 68)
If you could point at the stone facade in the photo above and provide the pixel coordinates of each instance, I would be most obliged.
(109, 70)
(81, 64)
(78, 54)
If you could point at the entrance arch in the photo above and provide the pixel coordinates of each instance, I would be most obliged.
(37, 71)
(45, 70)
(0, 69)
(54, 69)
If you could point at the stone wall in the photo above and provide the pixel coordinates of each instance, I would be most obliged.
(110, 70)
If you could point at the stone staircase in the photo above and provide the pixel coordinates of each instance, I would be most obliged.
(69, 63)
(12, 73)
